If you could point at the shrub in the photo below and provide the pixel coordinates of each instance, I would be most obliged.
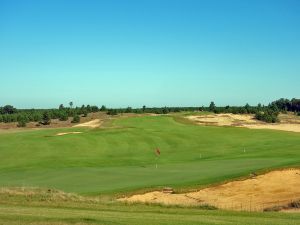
(76, 119)
(85, 113)
(267, 116)
(37, 117)
(22, 120)
(103, 108)
(21, 123)
(112, 112)
(63, 116)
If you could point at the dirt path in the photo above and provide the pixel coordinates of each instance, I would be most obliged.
(254, 194)
(92, 124)
(288, 122)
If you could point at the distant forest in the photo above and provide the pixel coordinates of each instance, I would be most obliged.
(268, 113)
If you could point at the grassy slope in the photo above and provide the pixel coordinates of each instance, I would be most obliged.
(45, 208)
(132, 215)
(123, 159)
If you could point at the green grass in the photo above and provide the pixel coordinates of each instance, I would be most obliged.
(147, 215)
(109, 161)
(42, 209)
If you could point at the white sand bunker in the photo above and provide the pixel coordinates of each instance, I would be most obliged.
(244, 120)
(92, 124)
(65, 133)
(276, 188)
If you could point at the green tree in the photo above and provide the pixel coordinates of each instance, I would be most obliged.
(46, 118)
(128, 110)
(61, 106)
(8, 109)
(212, 107)
(247, 108)
(103, 108)
(71, 104)
(165, 110)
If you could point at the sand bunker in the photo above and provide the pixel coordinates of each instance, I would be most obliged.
(92, 124)
(65, 133)
(255, 194)
(245, 120)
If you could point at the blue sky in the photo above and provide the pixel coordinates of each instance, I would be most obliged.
(154, 53)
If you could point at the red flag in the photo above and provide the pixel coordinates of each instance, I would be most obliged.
(157, 151)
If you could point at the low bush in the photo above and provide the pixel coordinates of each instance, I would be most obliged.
(267, 116)
(76, 119)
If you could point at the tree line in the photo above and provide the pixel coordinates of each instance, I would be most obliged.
(264, 113)
(267, 113)
(9, 114)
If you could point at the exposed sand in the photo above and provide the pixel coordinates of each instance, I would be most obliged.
(92, 124)
(284, 127)
(293, 210)
(223, 119)
(254, 194)
(64, 133)
(288, 123)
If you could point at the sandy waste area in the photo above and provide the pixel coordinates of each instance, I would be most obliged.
(247, 121)
(276, 188)
(92, 124)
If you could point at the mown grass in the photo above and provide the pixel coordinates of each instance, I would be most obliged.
(122, 159)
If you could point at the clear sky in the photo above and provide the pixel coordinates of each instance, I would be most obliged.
(154, 53)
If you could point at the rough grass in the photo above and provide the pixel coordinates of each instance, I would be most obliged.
(25, 206)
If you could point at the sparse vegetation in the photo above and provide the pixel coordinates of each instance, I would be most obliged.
(268, 116)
